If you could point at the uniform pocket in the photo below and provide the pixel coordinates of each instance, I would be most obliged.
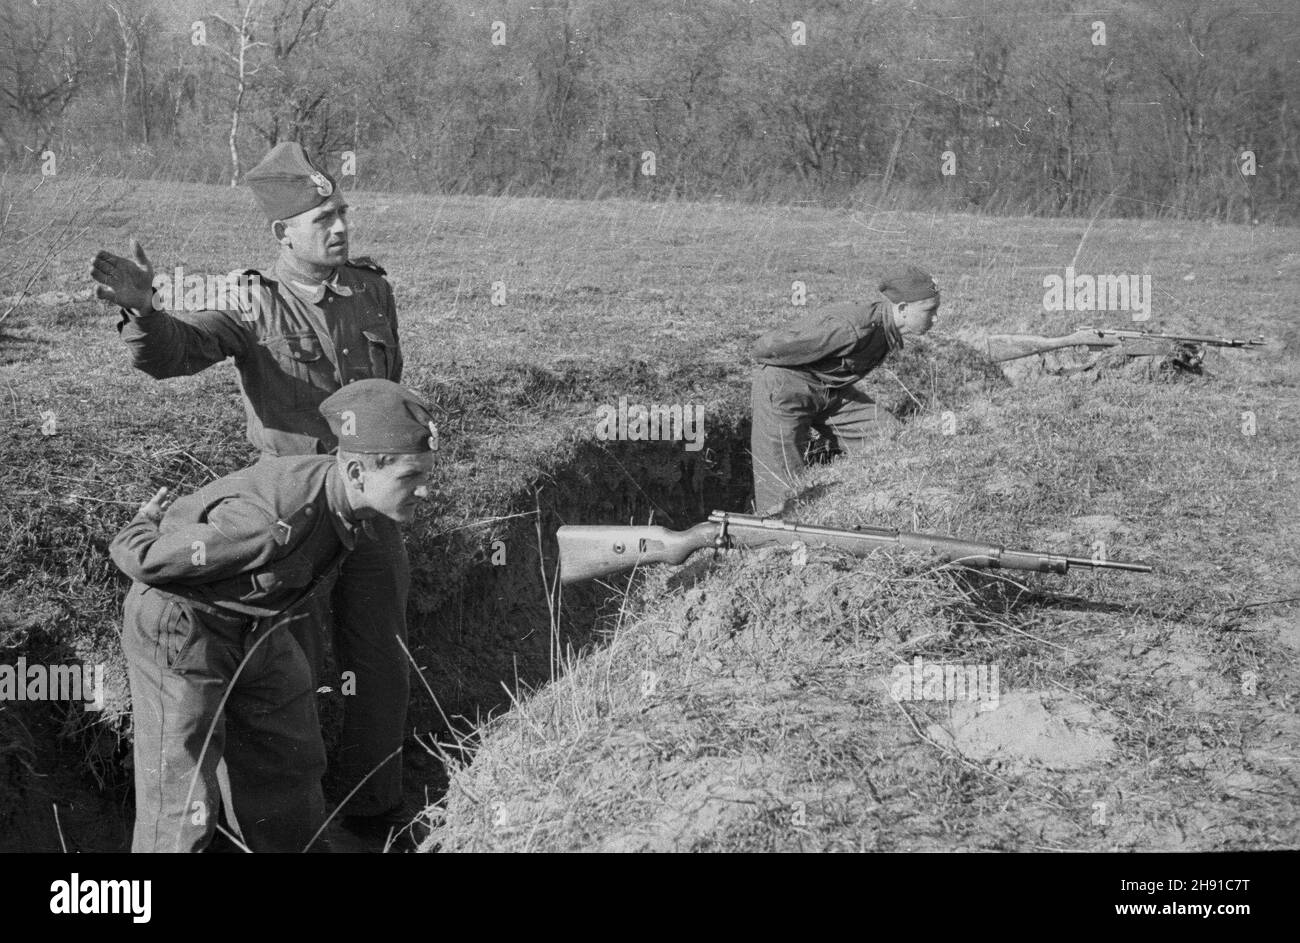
(300, 358)
(793, 395)
(176, 631)
(381, 348)
(288, 574)
(295, 348)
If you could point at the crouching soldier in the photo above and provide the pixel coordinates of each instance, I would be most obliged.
(223, 701)
(807, 375)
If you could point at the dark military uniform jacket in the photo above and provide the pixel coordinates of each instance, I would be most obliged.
(294, 342)
(251, 543)
(838, 346)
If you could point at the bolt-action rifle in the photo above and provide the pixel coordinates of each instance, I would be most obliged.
(588, 551)
(1002, 347)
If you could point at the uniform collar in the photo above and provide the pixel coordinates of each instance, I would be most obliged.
(342, 514)
(894, 337)
(308, 287)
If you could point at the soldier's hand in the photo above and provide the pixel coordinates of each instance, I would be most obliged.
(157, 506)
(125, 282)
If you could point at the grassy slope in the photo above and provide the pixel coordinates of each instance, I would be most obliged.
(770, 726)
(598, 285)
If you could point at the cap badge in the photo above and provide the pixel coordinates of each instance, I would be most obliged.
(323, 185)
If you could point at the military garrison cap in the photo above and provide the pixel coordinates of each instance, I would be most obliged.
(909, 284)
(379, 416)
(286, 182)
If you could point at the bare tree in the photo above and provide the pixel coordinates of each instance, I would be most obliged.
(45, 54)
(268, 91)
(296, 27)
(241, 70)
(135, 24)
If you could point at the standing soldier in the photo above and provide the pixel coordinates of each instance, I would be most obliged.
(807, 376)
(318, 323)
(221, 578)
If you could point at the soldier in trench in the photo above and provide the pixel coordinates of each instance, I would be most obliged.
(319, 322)
(807, 379)
(223, 701)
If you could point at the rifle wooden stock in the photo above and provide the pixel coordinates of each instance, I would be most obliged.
(1003, 347)
(590, 551)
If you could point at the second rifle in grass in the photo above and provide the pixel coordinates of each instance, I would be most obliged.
(1004, 347)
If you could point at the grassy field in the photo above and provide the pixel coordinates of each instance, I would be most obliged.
(769, 722)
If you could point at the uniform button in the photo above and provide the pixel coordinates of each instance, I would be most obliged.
(309, 511)
(345, 350)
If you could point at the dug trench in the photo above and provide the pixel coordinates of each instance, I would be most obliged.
(508, 627)
(487, 621)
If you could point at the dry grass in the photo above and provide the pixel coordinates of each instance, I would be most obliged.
(771, 726)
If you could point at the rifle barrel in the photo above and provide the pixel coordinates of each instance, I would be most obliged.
(1108, 564)
(948, 549)
(1182, 338)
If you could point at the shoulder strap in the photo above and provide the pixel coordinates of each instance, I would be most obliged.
(366, 262)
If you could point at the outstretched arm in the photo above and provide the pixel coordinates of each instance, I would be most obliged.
(162, 344)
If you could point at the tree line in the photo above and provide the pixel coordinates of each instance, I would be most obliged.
(1132, 108)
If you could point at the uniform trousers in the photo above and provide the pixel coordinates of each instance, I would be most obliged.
(787, 405)
(224, 712)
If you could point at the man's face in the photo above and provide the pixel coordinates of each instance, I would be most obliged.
(916, 317)
(396, 490)
(320, 236)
